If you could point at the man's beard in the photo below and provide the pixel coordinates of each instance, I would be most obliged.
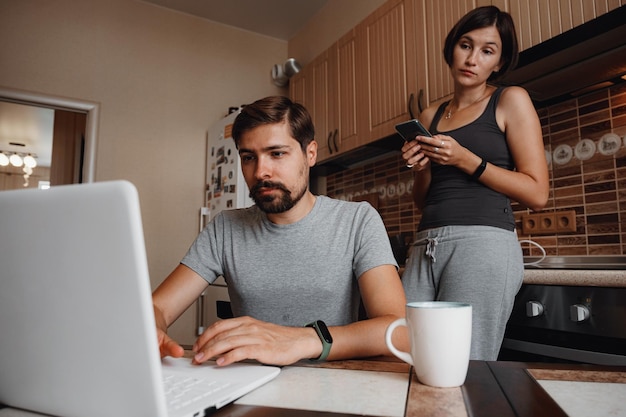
(272, 204)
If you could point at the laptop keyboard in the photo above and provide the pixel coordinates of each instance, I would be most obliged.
(183, 390)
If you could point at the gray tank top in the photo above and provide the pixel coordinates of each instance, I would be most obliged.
(453, 197)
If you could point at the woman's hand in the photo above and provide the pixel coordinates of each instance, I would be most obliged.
(414, 155)
(441, 149)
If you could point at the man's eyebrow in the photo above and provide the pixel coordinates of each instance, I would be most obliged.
(266, 149)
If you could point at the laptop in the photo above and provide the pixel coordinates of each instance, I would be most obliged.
(77, 328)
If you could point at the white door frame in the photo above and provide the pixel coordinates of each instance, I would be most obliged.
(63, 103)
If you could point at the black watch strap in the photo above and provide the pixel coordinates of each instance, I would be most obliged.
(325, 338)
(479, 171)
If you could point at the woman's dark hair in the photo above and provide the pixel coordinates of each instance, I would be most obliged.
(483, 17)
(275, 109)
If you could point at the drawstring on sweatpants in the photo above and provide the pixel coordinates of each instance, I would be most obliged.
(431, 246)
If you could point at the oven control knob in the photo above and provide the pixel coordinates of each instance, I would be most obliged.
(578, 312)
(534, 309)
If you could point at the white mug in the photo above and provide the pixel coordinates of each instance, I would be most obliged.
(440, 334)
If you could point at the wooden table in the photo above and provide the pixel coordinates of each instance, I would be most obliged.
(498, 389)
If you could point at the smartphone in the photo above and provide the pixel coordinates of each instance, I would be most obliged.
(408, 130)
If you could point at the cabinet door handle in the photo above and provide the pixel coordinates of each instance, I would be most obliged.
(330, 148)
(335, 140)
(419, 100)
(410, 106)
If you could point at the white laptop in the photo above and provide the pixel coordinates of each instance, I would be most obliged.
(77, 331)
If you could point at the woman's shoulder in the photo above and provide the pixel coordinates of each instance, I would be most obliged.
(430, 111)
(513, 94)
(514, 99)
(428, 115)
(514, 107)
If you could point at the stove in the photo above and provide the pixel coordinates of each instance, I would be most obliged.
(576, 324)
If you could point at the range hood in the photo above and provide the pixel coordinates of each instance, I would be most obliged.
(586, 58)
(583, 59)
(360, 156)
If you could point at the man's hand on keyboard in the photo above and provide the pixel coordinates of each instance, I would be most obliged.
(241, 338)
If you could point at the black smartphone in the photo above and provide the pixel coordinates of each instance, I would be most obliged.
(408, 130)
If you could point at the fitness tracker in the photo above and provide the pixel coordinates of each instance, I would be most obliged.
(325, 338)
(479, 171)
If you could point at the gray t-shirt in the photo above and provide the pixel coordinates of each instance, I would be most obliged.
(296, 273)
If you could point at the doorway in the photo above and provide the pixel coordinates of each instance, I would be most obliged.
(72, 154)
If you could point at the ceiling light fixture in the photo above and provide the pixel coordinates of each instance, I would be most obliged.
(30, 161)
(18, 159)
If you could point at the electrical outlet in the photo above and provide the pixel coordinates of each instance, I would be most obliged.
(566, 221)
(549, 223)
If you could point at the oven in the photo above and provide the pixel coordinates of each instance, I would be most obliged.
(576, 324)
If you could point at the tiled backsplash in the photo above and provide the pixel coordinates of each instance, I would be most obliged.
(590, 181)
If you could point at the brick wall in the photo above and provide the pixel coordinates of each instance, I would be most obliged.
(593, 183)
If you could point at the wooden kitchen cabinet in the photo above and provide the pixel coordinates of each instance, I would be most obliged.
(385, 42)
(322, 101)
(310, 87)
(538, 21)
(366, 80)
(345, 133)
(297, 87)
(327, 88)
(433, 19)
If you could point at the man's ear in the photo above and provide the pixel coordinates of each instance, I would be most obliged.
(311, 153)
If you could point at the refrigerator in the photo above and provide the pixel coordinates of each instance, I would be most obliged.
(225, 189)
(225, 186)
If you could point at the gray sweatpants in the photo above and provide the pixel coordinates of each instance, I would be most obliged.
(480, 265)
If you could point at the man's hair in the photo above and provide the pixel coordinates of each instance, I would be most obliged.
(275, 109)
(483, 17)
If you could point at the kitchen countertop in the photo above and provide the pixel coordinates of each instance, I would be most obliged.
(576, 277)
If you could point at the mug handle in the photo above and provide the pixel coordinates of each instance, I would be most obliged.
(400, 354)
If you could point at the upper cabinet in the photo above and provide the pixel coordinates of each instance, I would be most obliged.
(327, 88)
(385, 42)
(322, 103)
(311, 88)
(370, 82)
(433, 19)
(538, 21)
(345, 134)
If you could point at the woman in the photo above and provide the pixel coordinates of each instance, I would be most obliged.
(486, 150)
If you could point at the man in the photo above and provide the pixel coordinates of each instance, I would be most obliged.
(297, 265)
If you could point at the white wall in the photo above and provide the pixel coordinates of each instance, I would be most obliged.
(161, 79)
